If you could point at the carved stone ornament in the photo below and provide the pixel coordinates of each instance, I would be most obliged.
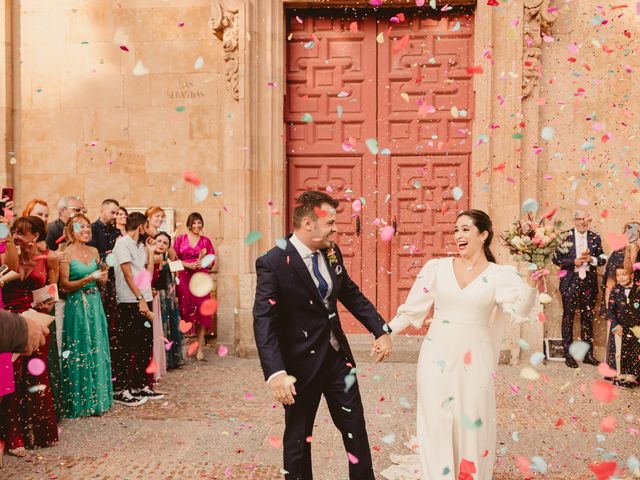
(224, 24)
(537, 23)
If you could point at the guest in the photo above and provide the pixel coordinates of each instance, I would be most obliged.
(191, 248)
(28, 416)
(38, 208)
(121, 221)
(134, 332)
(156, 217)
(103, 231)
(623, 353)
(164, 284)
(104, 234)
(579, 287)
(86, 368)
(67, 207)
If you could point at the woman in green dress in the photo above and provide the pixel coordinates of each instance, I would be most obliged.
(86, 363)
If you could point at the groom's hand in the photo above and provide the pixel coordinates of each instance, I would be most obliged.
(382, 347)
(283, 389)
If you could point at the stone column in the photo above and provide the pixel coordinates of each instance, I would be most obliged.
(6, 94)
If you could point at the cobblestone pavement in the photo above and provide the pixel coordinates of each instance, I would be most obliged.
(218, 421)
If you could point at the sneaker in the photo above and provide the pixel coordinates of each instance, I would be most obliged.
(147, 394)
(125, 398)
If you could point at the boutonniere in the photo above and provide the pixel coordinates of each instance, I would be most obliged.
(331, 254)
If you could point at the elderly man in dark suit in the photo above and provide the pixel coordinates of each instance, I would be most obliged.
(579, 287)
(303, 350)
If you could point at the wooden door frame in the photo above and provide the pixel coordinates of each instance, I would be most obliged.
(253, 38)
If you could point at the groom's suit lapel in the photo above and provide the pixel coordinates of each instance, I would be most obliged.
(295, 260)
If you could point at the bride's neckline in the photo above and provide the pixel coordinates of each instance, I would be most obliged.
(455, 277)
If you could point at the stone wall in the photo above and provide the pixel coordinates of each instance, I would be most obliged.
(589, 97)
(118, 99)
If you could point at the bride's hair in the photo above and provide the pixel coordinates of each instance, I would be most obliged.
(483, 223)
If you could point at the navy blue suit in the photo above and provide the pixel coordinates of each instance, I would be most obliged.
(579, 294)
(292, 329)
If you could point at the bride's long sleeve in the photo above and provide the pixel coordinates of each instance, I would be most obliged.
(419, 301)
(515, 296)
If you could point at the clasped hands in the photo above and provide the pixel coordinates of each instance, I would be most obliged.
(582, 259)
(382, 347)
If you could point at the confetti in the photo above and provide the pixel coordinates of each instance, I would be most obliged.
(191, 177)
(604, 470)
(608, 424)
(536, 358)
(199, 63)
(349, 380)
(192, 349)
(457, 193)
(184, 327)
(578, 350)
(36, 367)
(152, 367)
(467, 358)
(603, 391)
(538, 465)
(616, 241)
(209, 307)
(386, 234)
(352, 458)
(201, 284)
(253, 237)
(222, 351)
(208, 260)
(275, 442)
(142, 279)
(400, 44)
(124, 48)
(530, 205)
(139, 70)
(389, 438)
(307, 118)
(372, 145)
(529, 374)
(110, 260)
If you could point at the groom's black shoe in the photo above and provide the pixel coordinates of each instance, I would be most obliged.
(570, 362)
(591, 360)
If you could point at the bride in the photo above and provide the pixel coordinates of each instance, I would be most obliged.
(456, 413)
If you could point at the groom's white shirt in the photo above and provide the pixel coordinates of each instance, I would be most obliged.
(305, 252)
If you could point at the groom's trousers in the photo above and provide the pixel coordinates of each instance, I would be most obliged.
(346, 411)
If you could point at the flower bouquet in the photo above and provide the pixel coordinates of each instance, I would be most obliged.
(535, 242)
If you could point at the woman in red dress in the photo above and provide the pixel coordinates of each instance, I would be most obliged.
(27, 416)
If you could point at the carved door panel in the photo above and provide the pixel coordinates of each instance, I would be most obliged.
(329, 113)
(412, 93)
(425, 111)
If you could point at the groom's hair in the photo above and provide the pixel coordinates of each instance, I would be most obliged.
(307, 203)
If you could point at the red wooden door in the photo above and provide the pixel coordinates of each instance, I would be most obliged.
(349, 79)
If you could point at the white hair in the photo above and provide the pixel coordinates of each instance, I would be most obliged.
(64, 201)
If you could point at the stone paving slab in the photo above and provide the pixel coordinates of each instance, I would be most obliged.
(218, 421)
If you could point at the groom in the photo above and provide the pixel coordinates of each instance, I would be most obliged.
(303, 351)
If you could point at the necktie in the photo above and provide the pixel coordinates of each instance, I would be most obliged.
(323, 286)
(582, 245)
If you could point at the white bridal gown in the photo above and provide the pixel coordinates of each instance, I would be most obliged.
(456, 407)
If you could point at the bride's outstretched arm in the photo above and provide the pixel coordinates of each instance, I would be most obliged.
(419, 301)
(515, 296)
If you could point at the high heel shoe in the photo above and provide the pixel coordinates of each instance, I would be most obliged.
(1, 454)
(200, 354)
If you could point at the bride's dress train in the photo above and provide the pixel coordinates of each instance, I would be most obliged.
(456, 411)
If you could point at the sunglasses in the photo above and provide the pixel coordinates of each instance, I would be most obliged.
(78, 209)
